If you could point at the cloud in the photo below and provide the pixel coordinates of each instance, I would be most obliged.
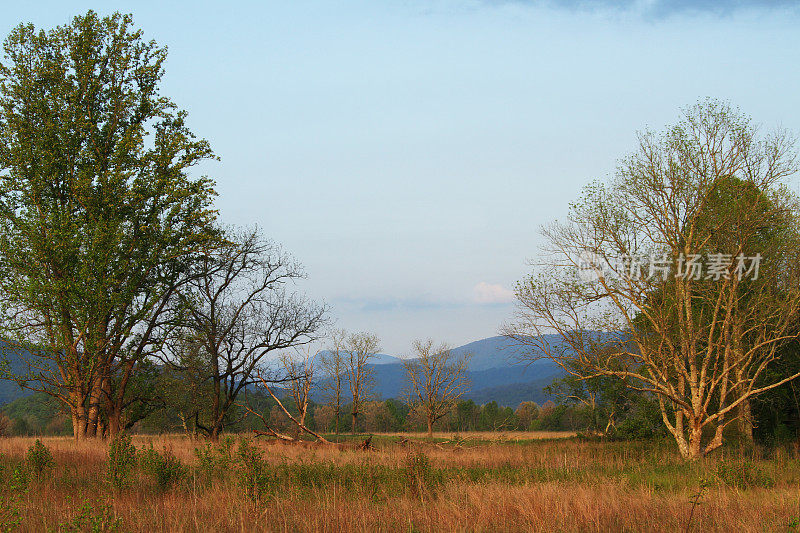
(488, 293)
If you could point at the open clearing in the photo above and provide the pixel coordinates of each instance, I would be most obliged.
(474, 483)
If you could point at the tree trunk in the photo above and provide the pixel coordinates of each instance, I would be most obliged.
(745, 422)
(215, 431)
(695, 450)
(355, 414)
(430, 429)
(114, 421)
(78, 412)
(95, 397)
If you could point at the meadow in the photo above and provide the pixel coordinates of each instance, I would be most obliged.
(467, 482)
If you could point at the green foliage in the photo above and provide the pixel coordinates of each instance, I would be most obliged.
(253, 474)
(38, 414)
(744, 475)
(121, 461)
(10, 515)
(99, 217)
(214, 461)
(16, 484)
(39, 459)
(93, 517)
(421, 476)
(164, 467)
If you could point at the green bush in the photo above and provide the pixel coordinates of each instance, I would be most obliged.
(39, 459)
(252, 472)
(165, 468)
(215, 462)
(121, 461)
(421, 476)
(97, 518)
(744, 475)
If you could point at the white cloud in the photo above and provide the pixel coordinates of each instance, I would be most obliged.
(488, 293)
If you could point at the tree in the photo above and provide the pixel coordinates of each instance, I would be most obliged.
(437, 379)
(333, 364)
(99, 218)
(301, 374)
(323, 417)
(526, 413)
(238, 309)
(706, 193)
(361, 347)
(184, 384)
(280, 417)
(606, 397)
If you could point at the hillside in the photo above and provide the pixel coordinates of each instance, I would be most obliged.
(9, 390)
(495, 373)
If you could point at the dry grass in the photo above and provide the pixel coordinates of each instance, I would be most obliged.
(487, 484)
(489, 435)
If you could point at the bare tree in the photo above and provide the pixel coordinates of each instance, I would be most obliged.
(323, 417)
(437, 378)
(333, 366)
(240, 309)
(361, 347)
(698, 324)
(301, 384)
(301, 371)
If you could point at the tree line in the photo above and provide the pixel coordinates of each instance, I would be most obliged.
(126, 296)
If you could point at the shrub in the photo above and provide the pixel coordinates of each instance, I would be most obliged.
(97, 519)
(744, 475)
(5, 425)
(215, 461)
(39, 459)
(10, 516)
(253, 475)
(421, 476)
(165, 468)
(121, 461)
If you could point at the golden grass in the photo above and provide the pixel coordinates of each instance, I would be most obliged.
(488, 435)
(495, 483)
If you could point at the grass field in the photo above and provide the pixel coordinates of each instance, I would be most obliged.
(469, 483)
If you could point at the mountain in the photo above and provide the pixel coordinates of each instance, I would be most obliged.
(9, 390)
(377, 359)
(500, 352)
(496, 373)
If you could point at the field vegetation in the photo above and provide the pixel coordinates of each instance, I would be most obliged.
(521, 482)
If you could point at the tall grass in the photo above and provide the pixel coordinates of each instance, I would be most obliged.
(463, 484)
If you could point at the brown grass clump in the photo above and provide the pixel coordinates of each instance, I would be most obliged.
(469, 483)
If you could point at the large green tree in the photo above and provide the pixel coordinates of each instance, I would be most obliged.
(689, 284)
(99, 218)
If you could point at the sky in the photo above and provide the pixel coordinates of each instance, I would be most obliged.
(408, 152)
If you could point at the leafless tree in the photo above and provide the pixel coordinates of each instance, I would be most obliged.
(301, 371)
(437, 378)
(239, 309)
(299, 388)
(333, 367)
(361, 347)
(323, 417)
(708, 191)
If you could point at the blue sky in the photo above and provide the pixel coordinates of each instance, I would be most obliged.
(408, 152)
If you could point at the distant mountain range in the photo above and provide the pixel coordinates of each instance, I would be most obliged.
(9, 390)
(496, 372)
